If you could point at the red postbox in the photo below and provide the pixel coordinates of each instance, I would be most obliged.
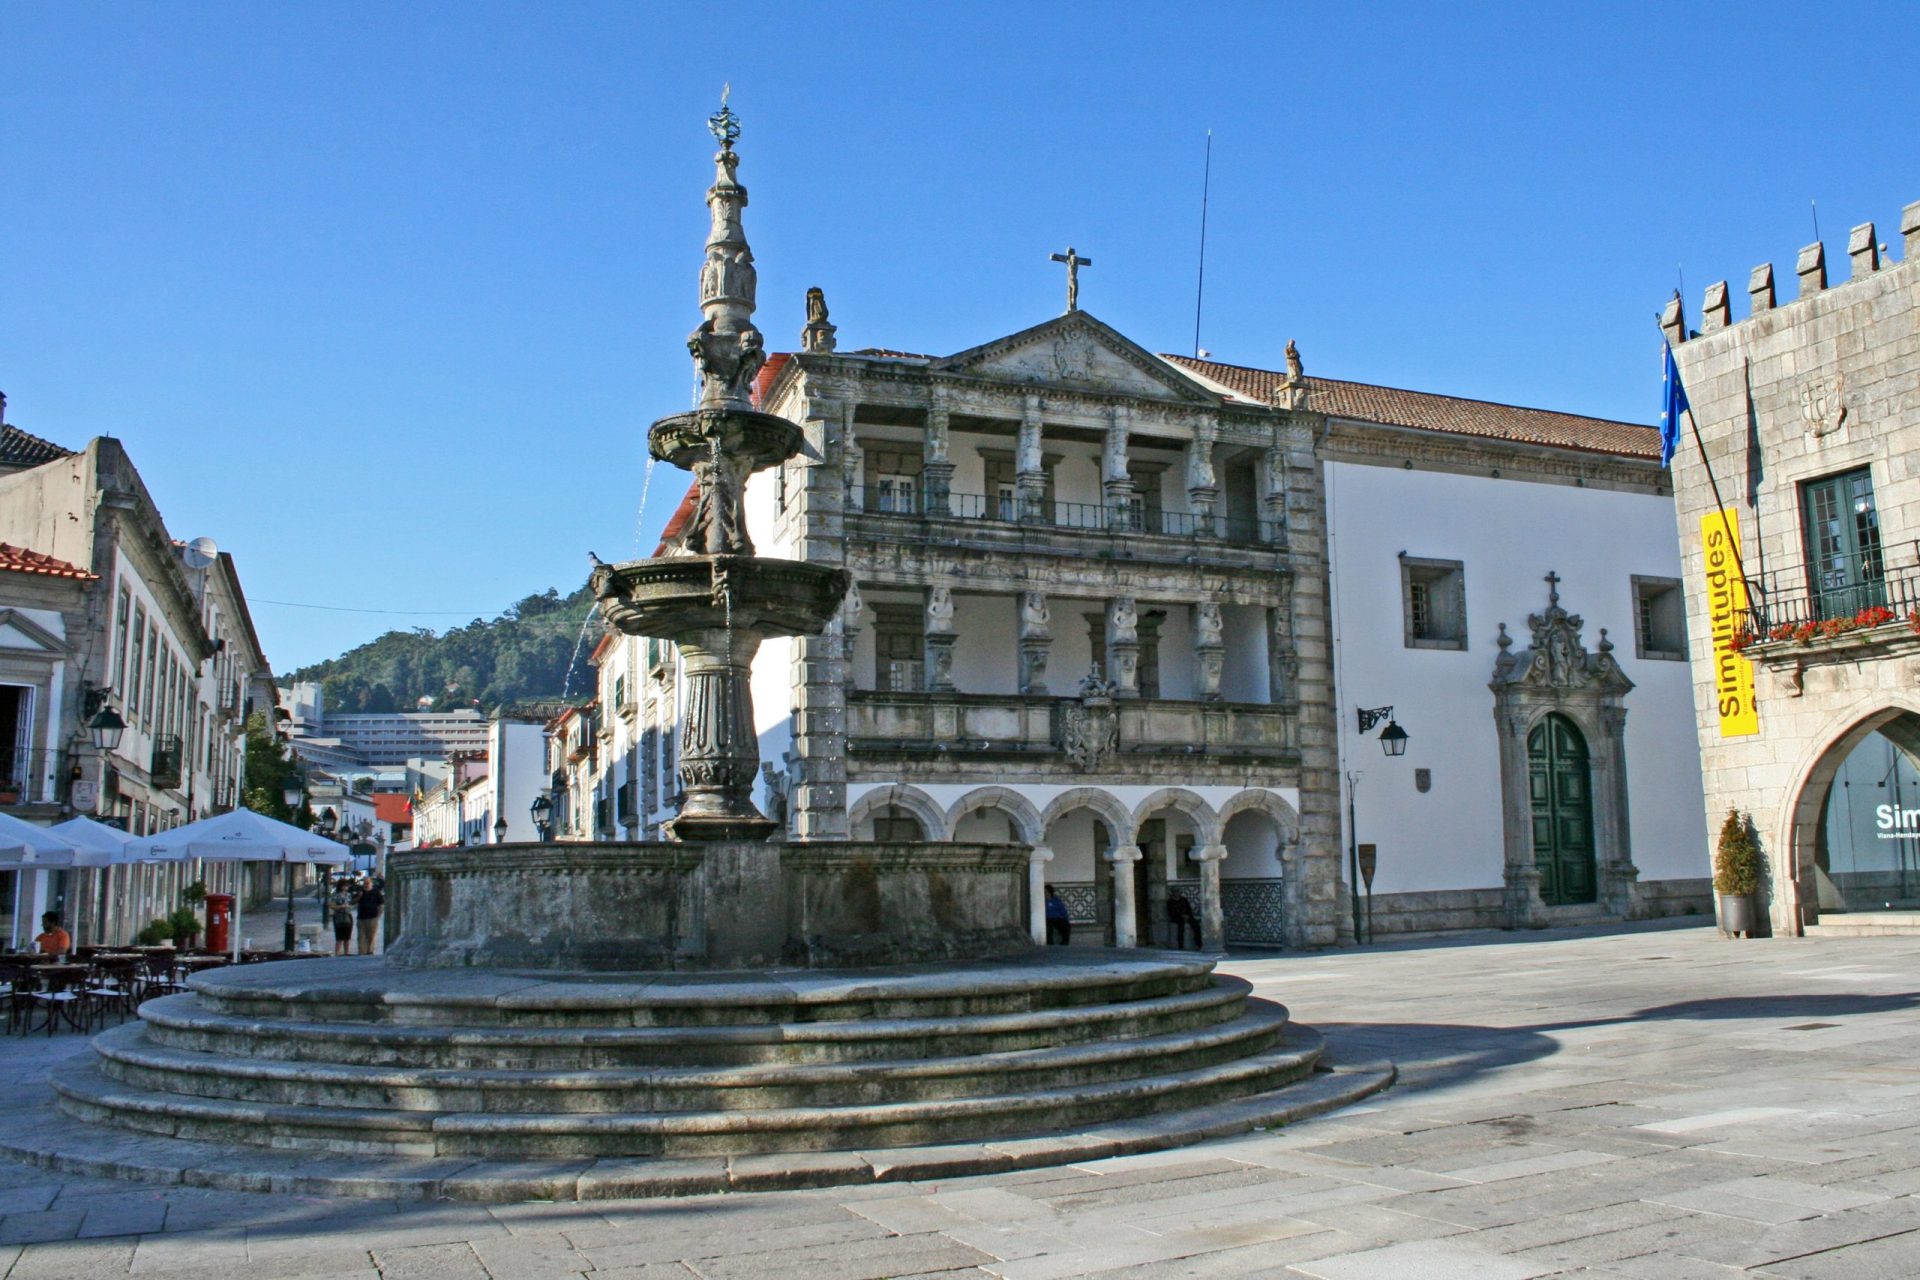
(219, 921)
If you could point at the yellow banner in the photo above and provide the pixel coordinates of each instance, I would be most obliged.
(1726, 604)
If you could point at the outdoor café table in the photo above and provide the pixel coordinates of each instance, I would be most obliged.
(56, 980)
(198, 964)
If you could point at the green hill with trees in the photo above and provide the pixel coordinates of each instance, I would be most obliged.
(520, 657)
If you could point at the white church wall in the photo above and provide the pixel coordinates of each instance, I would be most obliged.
(1508, 534)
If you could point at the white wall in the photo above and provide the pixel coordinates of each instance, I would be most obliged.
(1509, 534)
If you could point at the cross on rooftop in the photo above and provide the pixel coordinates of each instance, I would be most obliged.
(1553, 587)
(1074, 262)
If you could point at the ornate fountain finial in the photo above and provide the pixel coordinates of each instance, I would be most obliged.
(727, 348)
(723, 124)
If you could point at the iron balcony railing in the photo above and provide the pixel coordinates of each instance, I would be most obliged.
(164, 765)
(29, 776)
(1134, 518)
(1833, 588)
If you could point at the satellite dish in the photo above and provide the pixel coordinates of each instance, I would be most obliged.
(200, 552)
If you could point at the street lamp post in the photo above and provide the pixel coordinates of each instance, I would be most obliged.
(542, 816)
(292, 793)
(1393, 741)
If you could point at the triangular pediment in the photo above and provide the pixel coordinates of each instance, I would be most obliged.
(17, 631)
(1076, 352)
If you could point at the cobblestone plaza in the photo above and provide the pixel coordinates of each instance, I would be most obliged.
(1653, 1103)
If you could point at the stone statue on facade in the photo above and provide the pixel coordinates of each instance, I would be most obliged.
(1123, 624)
(1034, 615)
(940, 611)
(818, 335)
(1208, 628)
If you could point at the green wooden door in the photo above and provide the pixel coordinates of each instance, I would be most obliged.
(1560, 784)
(1843, 544)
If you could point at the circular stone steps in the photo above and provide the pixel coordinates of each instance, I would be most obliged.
(321, 1060)
(183, 1022)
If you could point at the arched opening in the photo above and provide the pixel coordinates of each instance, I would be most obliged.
(1252, 900)
(1560, 793)
(1866, 842)
(1166, 837)
(1078, 838)
(896, 823)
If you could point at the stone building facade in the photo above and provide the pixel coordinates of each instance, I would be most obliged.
(1088, 616)
(1802, 600)
(1139, 613)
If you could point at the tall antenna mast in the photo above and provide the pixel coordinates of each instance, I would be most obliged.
(1200, 289)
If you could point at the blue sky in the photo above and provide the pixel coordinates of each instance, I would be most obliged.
(383, 298)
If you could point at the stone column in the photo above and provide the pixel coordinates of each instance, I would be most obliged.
(1213, 919)
(1036, 640)
(939, 673)
(1037, 859)
(936, 467)
(854, 462)
(1121, 860)
(1123, 648)
(1283, 668)
(1116, 483)
(1203, 488)
(1030, 467)
(1621, 878)
(1209, 650)
(1273, 497)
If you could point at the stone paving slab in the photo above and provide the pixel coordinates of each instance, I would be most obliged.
(1634, 1103)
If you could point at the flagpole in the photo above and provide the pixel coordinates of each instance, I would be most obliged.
(1713, 484)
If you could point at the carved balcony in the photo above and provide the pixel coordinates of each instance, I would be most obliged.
(1008, 726)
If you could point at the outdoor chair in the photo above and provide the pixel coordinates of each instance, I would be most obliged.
(60, 994)
(114, 985)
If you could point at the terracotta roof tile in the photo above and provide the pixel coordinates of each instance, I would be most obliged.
(886, 353)
(1427, 411)
(19, 449)
(394, 807)
(21, 560)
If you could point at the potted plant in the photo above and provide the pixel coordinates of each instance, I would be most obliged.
(1736, 874)
(185, 923)
(154, 932)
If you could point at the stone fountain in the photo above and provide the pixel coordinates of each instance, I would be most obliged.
(719, 1011)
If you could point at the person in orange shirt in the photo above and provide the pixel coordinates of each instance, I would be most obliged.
(52, 939)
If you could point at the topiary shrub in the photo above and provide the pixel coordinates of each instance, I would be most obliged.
(185, 924)
(1736, 862)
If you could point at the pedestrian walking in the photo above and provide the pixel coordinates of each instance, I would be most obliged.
(340, 912)
(1180, 916)
(1059, 924)
(372, 898)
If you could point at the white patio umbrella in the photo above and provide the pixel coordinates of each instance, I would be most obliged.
(102, 848)
(241, 835)
(26, 847)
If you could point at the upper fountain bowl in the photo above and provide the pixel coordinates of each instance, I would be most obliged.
(761, 439)
(670, 596)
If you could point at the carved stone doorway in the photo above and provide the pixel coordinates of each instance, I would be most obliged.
(1561, 715)
(1560, 785)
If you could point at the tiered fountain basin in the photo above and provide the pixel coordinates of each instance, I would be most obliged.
(737, 904)
(363, 1077)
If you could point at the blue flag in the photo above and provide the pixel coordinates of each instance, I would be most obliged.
(1673, 404)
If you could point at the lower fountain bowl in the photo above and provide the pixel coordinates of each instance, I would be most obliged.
(710, 905)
